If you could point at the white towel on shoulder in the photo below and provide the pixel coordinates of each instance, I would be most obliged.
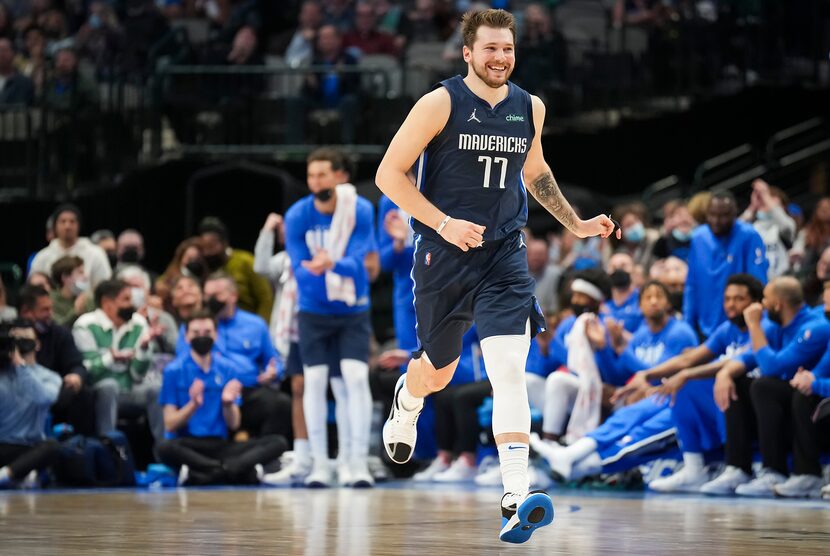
(341, 288)
(585, 416)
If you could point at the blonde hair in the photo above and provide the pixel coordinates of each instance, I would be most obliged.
(497, 19)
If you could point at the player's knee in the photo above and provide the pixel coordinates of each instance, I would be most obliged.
(437, 381)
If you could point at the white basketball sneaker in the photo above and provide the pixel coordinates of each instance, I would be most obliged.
(800, 486)
(400, 430)
(437, 466)
(684, 480)
(726, 483)
(762, 485)
(459, 472)
(320, 476)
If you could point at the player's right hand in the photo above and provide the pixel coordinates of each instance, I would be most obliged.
(463, 234)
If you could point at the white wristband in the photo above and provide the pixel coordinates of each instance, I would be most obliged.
(442, 225)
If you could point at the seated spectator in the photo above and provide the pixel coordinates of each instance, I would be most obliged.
(32, 60)
(114, 341)
(672, 273)
(71, 90)
(40, 279)
(329, 90)
(365, 38)
(637, 239)
(7, 313)
(297, 45)
(624, 305)
(130, 250)
(163, 330)
(767, 215)
(253, 291)
(27, 390)
(544, 50)
(546, 273)
(340, 14)
(75, 404)
(15, 88)
(244, 338)
(201, 395)
(791, 339)
(235, 40)
(105, 239)
(812, 239)
(676, 240)
(720, 248)
(186, 298)
(188, 260)
(67, 225)
(101, 39)
(699, 206)
(73, 296)
(392, 18)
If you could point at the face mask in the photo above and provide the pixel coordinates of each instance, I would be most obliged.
(95, 21)
(215, 262)
(215, 306)
(137, 297)
(126, 313)
(130, 255)
(324, 195)
(579, 309)
(761, 215)
(635, 233)
(42, 327)
(739, 321)
(194, 269)
(827, 315)
(80, 286)
(620, 279)
(676, 300)
(202, 345)
(681, 236)
(774, 316)
(25, 345)
(112, 258)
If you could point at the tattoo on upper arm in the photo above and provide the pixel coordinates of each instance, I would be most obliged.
(547, 192)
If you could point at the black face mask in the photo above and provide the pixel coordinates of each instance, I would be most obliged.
(215, 262)
(202, 345)
(126, 313)
(195, 268)
(739, 321)
(43, 327)
(112, 258)
(130, 255)
(578, 309)
(827, 315)
(215, 306)
(676, 300)
(324, 195)
(25, 345)
(774, 316)
(620, 279)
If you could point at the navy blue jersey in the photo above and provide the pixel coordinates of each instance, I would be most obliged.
(472, 170)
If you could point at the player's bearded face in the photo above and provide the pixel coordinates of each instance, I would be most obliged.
(492, 56)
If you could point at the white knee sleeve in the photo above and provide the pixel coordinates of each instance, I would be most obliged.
(316, 410)
(341, 416)
(560, 395)
(356, 377)
(505, 358)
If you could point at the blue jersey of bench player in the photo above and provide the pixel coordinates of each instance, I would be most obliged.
(472, 170)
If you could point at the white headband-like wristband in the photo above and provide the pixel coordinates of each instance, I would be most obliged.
(583, 286)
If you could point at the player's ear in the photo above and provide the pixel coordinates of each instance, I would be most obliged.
(467, 53)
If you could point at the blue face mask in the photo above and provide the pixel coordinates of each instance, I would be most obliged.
(635, 233)
(761, 215)
(681, 236)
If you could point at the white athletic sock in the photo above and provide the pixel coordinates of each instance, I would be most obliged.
(315, 409)
(302, 453)
(341, 417)
(561, 389)
(513, 464)
(5, 475)
(408, 401)
(356, 376)
(693, 462)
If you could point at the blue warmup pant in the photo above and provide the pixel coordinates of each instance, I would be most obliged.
(701, 426)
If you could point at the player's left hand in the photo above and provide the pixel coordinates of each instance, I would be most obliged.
(231, 391)
(753, 313)
(803, 381)
(601, 226)
(319, 264)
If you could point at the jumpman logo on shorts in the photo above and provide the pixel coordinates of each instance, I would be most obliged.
(473, 116)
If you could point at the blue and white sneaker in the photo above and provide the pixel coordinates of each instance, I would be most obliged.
(520, 520)
(400, 430)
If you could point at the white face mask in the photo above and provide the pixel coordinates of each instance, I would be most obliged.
(137, 297)
(80, 286)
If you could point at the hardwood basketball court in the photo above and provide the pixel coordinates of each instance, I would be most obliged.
(397, 519)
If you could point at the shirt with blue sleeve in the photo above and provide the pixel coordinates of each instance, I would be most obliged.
(537, 362)
(306, 233)
(26, 394)
(558, 349)
(819, 312)
(645, 350)
(712, 260)
(175, 390)
(821, 384)
(728, 341)
(628, 312)
(245, 339)
(801, 343)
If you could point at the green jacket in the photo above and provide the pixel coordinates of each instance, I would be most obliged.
(255, 293)
(95, 336)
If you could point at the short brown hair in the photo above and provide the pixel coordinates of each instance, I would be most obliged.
(63, 266)
(328, 154)
(201, 314)
(497, 19)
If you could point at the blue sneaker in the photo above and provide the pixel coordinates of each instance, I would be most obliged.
(518, 523)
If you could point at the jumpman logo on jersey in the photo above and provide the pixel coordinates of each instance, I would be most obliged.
(473, 116)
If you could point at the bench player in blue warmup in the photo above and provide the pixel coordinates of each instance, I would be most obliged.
(476, 145)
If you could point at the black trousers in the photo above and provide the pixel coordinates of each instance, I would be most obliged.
(214, 460)
(77, 409)
(785, 422)
(266, 411)
(22, 460)
(741, 427)
(456, 416)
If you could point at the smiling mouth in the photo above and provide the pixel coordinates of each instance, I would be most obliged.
(497, 69)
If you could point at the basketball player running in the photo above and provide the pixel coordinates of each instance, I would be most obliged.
(477, 145)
